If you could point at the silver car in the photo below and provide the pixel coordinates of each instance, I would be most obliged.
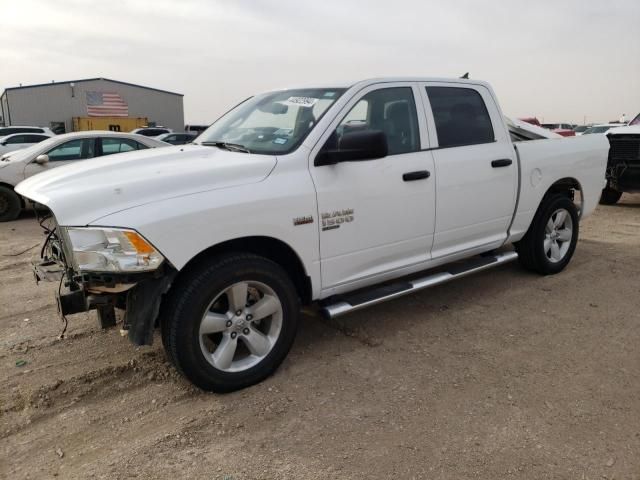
(57, 151)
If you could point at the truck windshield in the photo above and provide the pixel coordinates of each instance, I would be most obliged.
(272, 123)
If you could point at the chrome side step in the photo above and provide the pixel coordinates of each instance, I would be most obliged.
(351, 302)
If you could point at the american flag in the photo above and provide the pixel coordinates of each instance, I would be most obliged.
(106, 104)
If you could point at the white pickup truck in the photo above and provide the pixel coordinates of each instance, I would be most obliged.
(340, 197)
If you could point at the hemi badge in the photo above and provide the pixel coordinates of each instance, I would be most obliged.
(302, 220)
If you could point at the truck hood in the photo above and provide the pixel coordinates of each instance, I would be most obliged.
(84, 192)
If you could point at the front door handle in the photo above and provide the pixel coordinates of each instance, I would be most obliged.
(503, 162)
(419, 175)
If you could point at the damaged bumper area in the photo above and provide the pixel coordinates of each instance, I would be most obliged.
(138, 295)
(67, 257)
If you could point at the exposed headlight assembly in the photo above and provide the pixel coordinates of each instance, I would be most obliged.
(98, 249)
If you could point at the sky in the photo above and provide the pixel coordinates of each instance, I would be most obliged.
(562, 60)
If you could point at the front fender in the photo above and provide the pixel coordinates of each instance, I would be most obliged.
(182, 228)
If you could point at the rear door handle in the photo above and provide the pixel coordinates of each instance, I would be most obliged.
(503, 162)
(419, 175)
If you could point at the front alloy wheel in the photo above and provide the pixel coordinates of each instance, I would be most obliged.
(241, 326)
(230, 321)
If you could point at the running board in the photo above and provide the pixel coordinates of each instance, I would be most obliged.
(348, 303)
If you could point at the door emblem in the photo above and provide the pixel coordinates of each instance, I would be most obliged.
(302, 220)
(333, 220)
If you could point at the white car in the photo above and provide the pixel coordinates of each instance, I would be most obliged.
(343, 197)
(18, 141)
(601, 128)
(151, 131)
(177, 138)
(4, 131)
(55, 152)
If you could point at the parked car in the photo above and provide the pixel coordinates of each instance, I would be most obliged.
(323, 195)
(623, 166)
(177, 138)
(4, 131)
(580, 129)
(58, 151)
(563, 129)
(197, 129)
(558, 126)
(18, 141)
(151, 131)
(600, 128)
(531, 120)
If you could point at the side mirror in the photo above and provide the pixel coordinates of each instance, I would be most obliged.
(354, 146)
(42, 159)
(3, 143)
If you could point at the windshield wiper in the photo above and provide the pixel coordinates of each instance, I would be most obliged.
(232, 147)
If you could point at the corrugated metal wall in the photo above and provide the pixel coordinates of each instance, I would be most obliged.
(60, 103)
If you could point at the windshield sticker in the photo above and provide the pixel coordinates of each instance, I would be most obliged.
(329, 94)
(280, 141)
(300, 101)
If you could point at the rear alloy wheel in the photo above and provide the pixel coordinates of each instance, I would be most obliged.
(558, 234)
(230, 322)
(609, 196)
(551, 239)
(10, 205)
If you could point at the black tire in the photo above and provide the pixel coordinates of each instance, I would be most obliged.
(190, 297)
(609, 196)
(10, 204)
(531, 249)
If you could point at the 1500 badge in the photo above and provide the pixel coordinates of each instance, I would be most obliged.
(331, 220)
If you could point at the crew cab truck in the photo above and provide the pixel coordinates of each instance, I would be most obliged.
(623, 166)
(338, 196)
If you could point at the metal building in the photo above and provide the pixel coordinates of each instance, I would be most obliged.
(91, 104)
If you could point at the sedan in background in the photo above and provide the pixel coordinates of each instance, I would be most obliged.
(57, 151)
(151, 131)
(602, 128)
(4, 131)
(18, 141)
(177, 138)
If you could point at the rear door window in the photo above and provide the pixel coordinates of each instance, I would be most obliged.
(118, 145)
(34, 138)
(461, 116)
(16, 139)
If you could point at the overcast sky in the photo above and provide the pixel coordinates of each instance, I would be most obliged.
(559, 60)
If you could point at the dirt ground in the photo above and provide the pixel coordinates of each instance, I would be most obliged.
(503, 374)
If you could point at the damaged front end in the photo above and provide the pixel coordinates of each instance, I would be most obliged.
(623, 166)
(104, 268)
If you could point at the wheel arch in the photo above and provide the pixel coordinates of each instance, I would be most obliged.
(565, 183)
(568, 186)
(269, 247)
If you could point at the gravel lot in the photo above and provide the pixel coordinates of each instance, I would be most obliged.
(500, 375)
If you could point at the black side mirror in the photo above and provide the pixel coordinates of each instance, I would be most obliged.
(352, 147)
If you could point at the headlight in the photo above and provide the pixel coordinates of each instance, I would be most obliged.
(112, 250)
